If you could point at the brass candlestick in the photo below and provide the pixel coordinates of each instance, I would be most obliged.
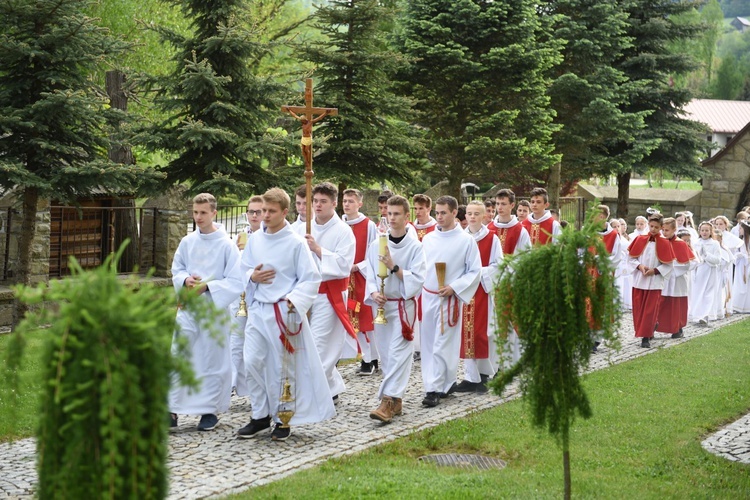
(380, 317)
(440, 272)
(242, 311)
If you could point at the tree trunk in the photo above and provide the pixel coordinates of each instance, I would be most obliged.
(124, 220)
(25, 243)
(566, 472)
(553, 186)
(623, 194)
(340, 201)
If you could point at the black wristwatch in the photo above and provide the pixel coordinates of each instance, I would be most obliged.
(395, 269)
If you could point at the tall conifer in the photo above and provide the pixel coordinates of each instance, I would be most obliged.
(654, 25)
(218, 111)
(479, 75)
(53, 120)
(370, 139)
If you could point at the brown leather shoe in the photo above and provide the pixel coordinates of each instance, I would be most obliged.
(384, 412)
(397, 404)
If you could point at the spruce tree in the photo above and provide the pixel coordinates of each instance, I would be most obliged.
(53, 119)
(370, 139)
(588, 92)
(479, 76)
(217, 109)
(653, 26)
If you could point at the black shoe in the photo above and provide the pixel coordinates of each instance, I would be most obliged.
(417, 356)
(375, 366)
(451, 390)
(366, 368)
(281, 433)
(596, 347)
(678, 335)
(172, 421)
(431, 400)
(646, 342)
(255, 427)
(208, 422)
(466, 386)
(335, 400)
(481, 387)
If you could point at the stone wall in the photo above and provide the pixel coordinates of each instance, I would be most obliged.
(729, 175)
(668, 201)
(10, 235)
(172, 219)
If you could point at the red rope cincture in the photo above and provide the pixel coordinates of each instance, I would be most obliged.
(453, 318)
(284, 329)
(407, 328)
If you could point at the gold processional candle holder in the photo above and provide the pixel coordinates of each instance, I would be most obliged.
(242, 311)
(382, 269)
(440, 272)
(286, 408)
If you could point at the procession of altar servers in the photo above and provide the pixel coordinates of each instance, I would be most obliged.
(715, 280)
(703, 279)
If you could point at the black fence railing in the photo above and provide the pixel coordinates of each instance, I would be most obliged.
(232, 217)
(90, 234)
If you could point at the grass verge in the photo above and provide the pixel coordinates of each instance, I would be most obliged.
(21, 421)
(650, 415)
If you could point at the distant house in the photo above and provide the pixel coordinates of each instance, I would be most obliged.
(740, 24)
(724, 118)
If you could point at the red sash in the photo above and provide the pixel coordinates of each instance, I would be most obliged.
(539, 233)
(474, 340)
(609, 241)
(359, 314)
(508, 236)
(663, 249)
(333, 289)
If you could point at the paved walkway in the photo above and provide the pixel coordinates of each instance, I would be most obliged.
(214, 463)
(731, 442)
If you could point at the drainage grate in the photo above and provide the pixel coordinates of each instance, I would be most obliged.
(465, 461)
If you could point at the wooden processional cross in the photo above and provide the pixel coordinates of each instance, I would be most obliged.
(308, 116)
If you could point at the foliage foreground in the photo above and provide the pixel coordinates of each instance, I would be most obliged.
(104, 373)
(643, 441)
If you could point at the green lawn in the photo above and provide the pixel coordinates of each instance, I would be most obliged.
(643, 441)
(22, 422)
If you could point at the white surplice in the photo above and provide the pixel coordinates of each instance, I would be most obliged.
(705, 280)
(512, 349)
(212, 256)
(395, 351)
(723, 299)
(441, 342)
(267, 362)
(337, 257)
(741, 284)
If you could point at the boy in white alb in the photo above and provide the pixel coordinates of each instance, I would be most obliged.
(441, 302)
(360, 315)
(279, 348)
(204, 261)
(333, 246)
(405, 265)
(239, 378)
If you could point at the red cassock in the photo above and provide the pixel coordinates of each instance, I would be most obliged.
(673, 311)
(539, 233)
(474, 340)
(609, 239)
(360, 315)
(646, 302)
